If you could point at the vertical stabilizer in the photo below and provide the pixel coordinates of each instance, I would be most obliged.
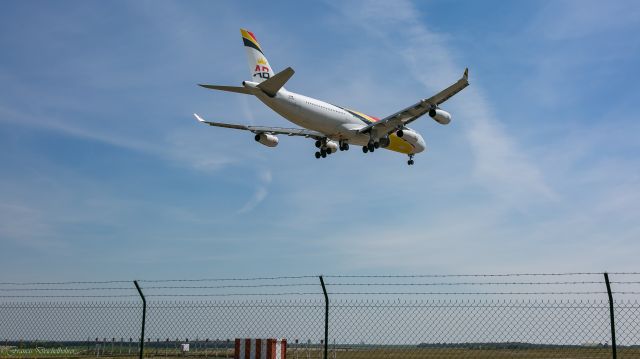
(259, 67)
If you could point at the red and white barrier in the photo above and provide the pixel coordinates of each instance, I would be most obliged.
(260, 349)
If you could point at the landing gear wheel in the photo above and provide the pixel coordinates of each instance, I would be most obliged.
(365, 149)
(257, 138)
(323, 154)
(346, 147)
(318, 155)
(371, 147)
(399, 133)
(376, 145)
(318, 143)
(410, 162)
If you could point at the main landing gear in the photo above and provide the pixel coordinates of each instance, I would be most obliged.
(375, 144)
(410, 162)
(322, 149)
(325, 150)
(322, 153)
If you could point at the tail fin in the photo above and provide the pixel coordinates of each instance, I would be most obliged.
(259, 67)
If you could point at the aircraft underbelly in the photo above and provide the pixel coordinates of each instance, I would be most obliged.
(329, 124)
(335, 125)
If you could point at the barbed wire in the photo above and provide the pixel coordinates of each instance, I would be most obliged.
(153, 289)
(465, 283)
(330, 293)
(471, 275)
(226, 279)
(66, 283)
(70, 296)
(237, 286)
(64, 289)
(624, 282)
(316, 284)
(624, 273)
(163, 287)
(330, 276)
(318, 293)
(469, 293)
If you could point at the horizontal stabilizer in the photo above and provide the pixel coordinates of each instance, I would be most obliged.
(236, 89)
(275, 83)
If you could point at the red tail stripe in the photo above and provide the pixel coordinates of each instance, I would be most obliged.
(253, 36)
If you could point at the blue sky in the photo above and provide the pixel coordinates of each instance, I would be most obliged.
(105, 174)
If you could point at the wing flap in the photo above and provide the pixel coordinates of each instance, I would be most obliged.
(265, 129)
(413, 112)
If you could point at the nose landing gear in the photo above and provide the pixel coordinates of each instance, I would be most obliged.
(410, 162)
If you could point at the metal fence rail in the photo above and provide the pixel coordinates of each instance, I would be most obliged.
(554, 315)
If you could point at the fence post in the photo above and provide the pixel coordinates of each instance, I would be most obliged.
(144, 316)
(611, 314)
(326, 318)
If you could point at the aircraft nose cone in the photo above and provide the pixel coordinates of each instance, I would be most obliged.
(420, 145)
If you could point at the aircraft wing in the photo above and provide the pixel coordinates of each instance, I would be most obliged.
(263, 129)
(411, 113)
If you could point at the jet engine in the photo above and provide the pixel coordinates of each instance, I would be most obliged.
(331, 147)
(410, 136)
(441, 116)
(267, 139)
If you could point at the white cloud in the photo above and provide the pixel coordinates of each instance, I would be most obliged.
(28, 226)
(531, 207)
(179, 147)
(260, 194)
(500, 164)
(479, 200)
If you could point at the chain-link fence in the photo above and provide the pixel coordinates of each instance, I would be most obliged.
(566, 315)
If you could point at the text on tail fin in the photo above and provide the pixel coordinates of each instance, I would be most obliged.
(259, 67)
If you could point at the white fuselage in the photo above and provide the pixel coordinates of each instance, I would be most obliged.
(335, 122)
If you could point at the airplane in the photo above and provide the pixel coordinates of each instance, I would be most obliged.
(332, 127)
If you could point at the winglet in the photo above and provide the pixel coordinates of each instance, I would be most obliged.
(466, 74)
(198, 117)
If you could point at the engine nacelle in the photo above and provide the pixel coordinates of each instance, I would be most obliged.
(267, 139)
(415, 139)
(410, 136)
(331, 147)
(441, 116)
